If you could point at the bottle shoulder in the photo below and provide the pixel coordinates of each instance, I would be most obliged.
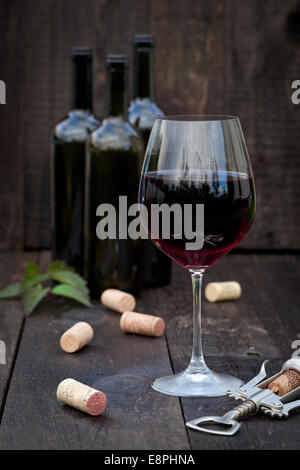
(76, 127)
(142, 113)
(116, 134)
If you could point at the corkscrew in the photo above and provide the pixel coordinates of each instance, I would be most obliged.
(275, 397)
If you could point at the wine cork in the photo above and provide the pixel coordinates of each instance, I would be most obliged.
(217, 291)
(118, 300)
(82, 397)
(76, 337)
(141, 324)
(285, 382)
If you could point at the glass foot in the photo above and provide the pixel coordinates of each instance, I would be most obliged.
(197, 384)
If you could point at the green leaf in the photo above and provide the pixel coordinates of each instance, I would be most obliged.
(32, 290)
(10, 291)
(58, 266)
(36, 280)
(33, 295)
(31, 271)
(70, 278)
(73, 293)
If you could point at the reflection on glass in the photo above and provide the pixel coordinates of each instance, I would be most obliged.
(198, 161)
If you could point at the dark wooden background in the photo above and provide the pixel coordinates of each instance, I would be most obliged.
(217, 57)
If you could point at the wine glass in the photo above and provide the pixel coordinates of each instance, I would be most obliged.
(200, 161)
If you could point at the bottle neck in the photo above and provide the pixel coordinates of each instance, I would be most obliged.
(116, 91)
(143, 86)
(81, 98)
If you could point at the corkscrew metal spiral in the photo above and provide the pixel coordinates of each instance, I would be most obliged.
(256, 396)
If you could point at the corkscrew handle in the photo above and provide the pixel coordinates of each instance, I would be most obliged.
(230, 420)
(233, 425)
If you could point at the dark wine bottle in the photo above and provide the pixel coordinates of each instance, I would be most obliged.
(154, 266)
(67, 164)
(115, 154)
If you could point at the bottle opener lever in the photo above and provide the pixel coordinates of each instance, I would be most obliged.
(256, 396)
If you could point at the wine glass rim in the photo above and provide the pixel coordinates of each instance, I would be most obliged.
(198, 118)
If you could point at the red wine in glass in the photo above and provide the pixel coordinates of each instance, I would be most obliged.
(228, 211)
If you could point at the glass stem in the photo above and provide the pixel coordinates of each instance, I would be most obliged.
(197, 363)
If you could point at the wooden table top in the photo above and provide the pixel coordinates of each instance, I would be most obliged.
(238, 336)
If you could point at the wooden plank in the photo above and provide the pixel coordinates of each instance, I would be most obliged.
(50, 96)
(238, 336)
(11, 128)
(230, 328)
(246, 70)
(279, 310)
(203, 65)
(263, 61)
(11, 322)
(121, 365)
(11, 315)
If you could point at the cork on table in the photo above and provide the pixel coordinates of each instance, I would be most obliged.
(238, 335)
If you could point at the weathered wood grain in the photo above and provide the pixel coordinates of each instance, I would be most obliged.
(263, 61)
(12, 123)
(238, 336)
(275, 294)
(233, 328)
(212, 57)
(11, 315)
(120, 365)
